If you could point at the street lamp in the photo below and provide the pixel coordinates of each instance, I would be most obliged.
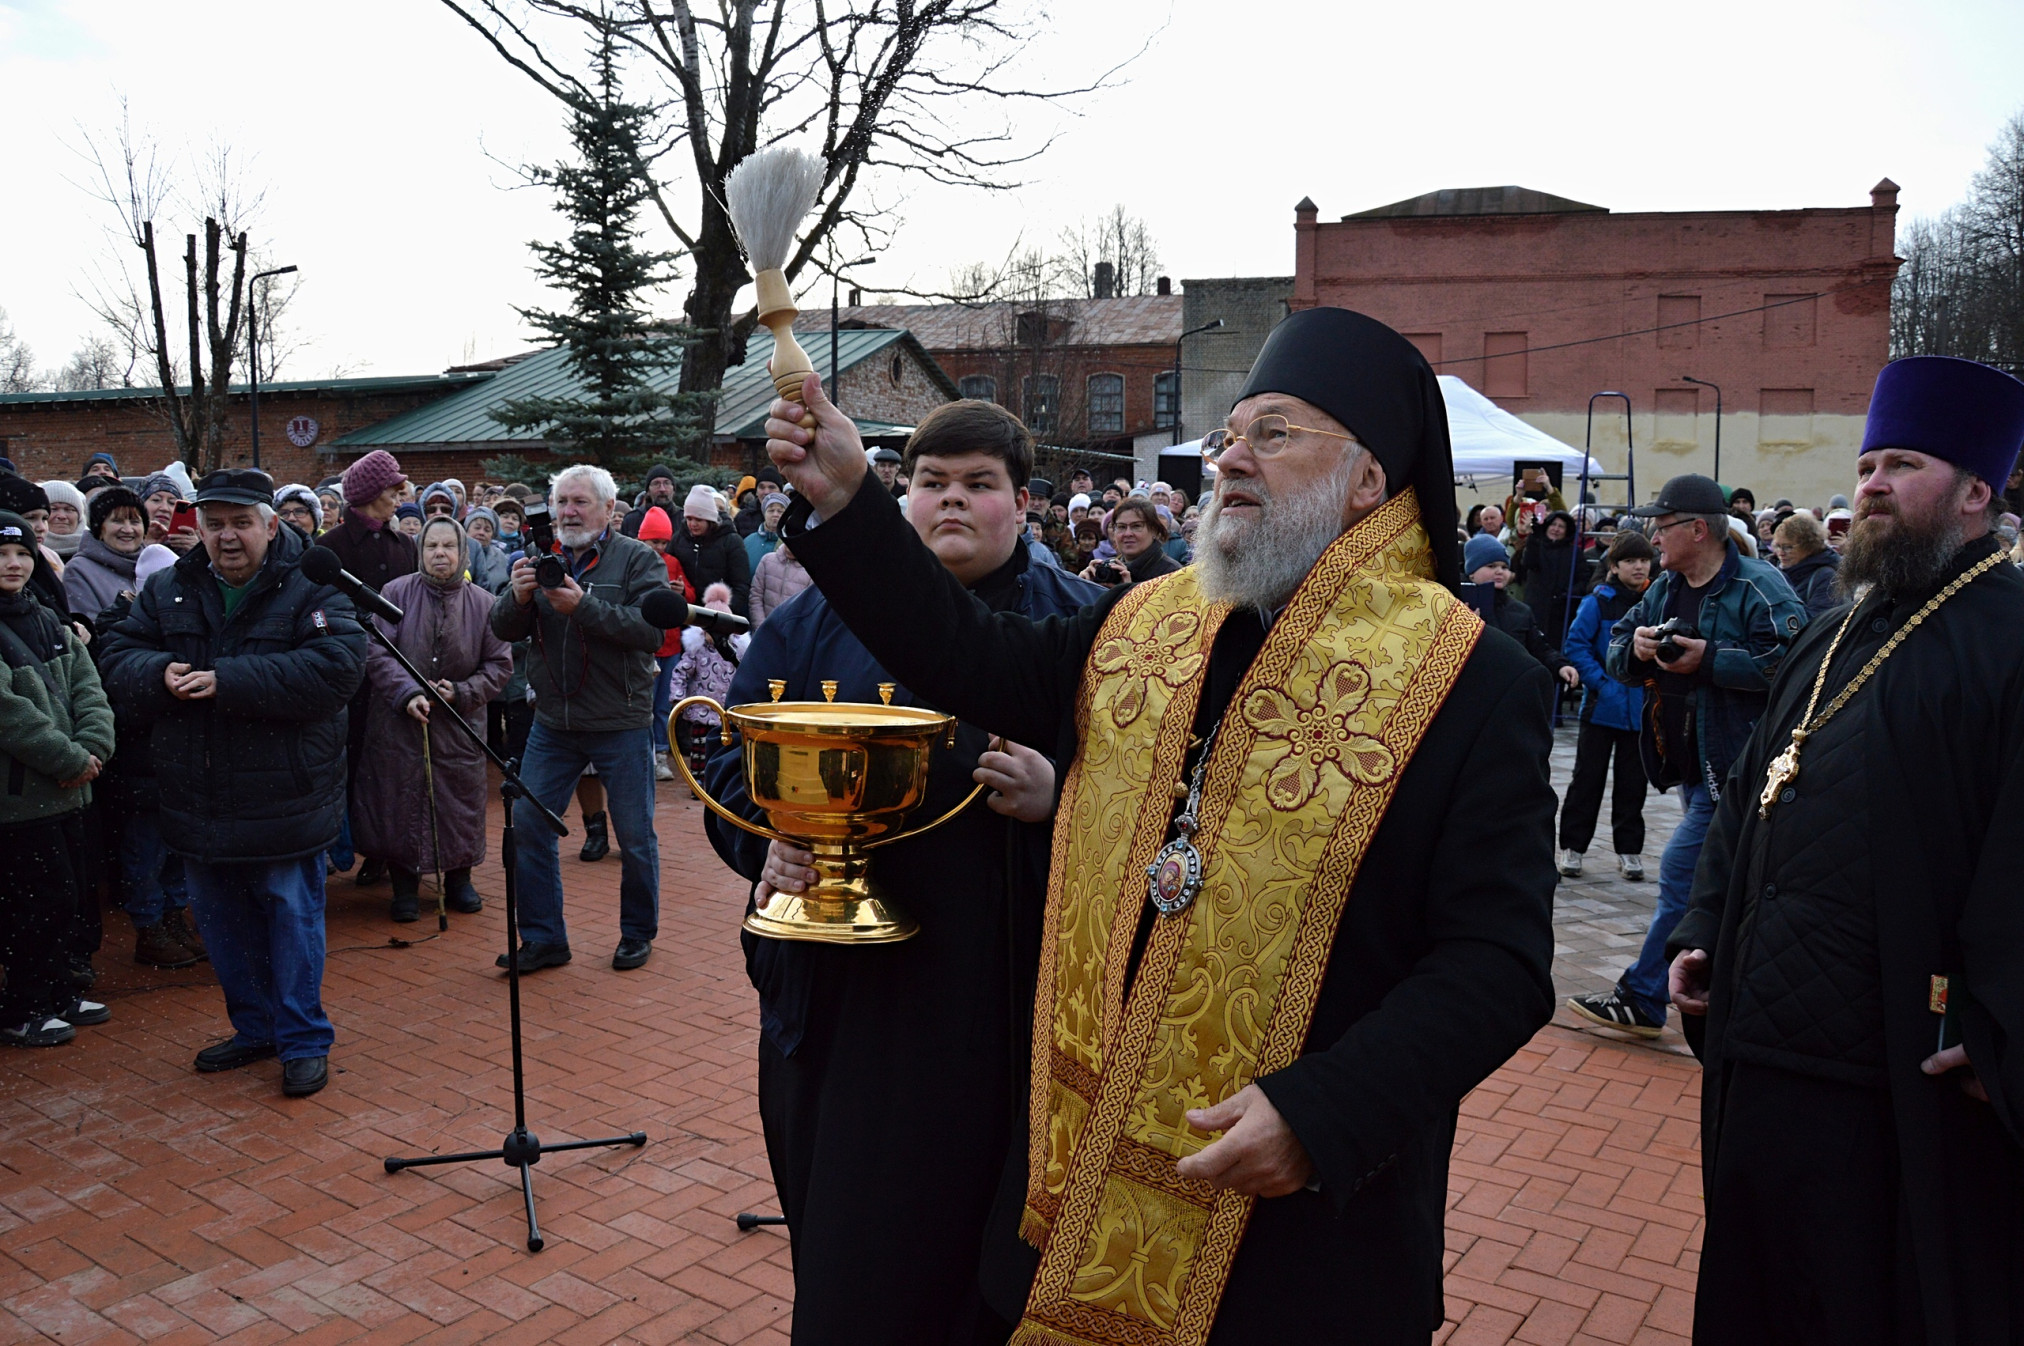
(1209, 326)
(253, 347)
(835, 273)
(1688, 378)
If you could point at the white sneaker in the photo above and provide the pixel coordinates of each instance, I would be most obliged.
(1631, 867)
(1569, 864)
(662, 771)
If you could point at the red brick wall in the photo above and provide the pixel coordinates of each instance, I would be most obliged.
(52, 439)
(1504, 286)
(1072, 365)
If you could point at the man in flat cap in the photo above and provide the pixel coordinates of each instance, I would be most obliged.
(1300, 895)
(1851, 962)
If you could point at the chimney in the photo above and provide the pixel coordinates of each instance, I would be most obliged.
(856, 296)
(1883, 196)
(1106, 280)
(1163, 286)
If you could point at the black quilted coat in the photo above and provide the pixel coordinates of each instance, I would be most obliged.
(256, 772)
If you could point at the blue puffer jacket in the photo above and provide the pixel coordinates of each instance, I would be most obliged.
(257, 771)
(1604, 700)
(1749, 618)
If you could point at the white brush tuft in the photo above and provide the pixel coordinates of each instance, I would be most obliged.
(767, 196)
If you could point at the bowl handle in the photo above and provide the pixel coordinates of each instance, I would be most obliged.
(682, 762)
(968, 799)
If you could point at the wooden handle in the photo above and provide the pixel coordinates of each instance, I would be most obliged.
(790, 364)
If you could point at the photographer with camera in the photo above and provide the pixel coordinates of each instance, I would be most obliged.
(1139, 535)
(1703, 642)
(576, 592)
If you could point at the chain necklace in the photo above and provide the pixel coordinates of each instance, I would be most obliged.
(1175, 875)
(1784, 768)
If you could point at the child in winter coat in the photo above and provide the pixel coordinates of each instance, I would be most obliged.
(707, 665)
(657, 530)
(55, 737)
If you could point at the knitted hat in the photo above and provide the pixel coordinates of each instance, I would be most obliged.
(408, 511)
(105, 502)
(157, 482)
(701, 504)
(370, 477)
(101, 457)
(18, 495)
(655, 525)
(154, 559)
(63, 493)
(16, 530)
(1078, 501)
(774, 498)
(657, 472)
(1483, 550)
(485, 512)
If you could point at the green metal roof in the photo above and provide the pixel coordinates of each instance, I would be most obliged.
(464, 417)
(342, 387)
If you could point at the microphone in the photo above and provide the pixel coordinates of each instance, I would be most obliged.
(670, 611)
(322, 565)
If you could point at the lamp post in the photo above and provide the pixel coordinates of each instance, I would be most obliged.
(1209, 326)
(1688, 378)
(253, 347)
(835, 276)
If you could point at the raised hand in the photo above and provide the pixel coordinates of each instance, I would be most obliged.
(825, 464)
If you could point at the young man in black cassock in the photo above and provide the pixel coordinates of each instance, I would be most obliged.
(888, 1074)
(1852, 958)
(1251, 1041)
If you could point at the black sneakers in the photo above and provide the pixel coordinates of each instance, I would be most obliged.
(631, 953)
(39, 1030)
(1611, 1010)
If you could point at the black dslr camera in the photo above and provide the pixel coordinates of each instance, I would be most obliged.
(1667, 637)
(548, 571)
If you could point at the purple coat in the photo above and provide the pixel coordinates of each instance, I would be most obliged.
(447, 633)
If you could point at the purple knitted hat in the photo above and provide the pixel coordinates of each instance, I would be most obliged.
(1959, 410)
(365, 479)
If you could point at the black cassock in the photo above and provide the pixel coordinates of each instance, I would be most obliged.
(1440, 969)
(1851, 1197)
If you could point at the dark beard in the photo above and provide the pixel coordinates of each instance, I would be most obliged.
(1908, 560)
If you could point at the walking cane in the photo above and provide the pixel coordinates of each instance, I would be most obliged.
(435, 842)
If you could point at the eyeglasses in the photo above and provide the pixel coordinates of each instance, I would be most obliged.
(1267, 435)
(1660, 528)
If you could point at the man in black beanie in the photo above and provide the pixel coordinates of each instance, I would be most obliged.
(1302, 877)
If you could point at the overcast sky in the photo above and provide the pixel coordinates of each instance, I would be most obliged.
(375, 128)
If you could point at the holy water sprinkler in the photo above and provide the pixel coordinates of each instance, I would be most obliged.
(767, 197)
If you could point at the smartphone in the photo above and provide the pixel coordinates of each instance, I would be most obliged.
(1838, 527)
(184, 517)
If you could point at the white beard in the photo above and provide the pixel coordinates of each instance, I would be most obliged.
(576, 538)
(1258, 563)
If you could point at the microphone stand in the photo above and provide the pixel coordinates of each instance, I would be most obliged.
(521, 1149)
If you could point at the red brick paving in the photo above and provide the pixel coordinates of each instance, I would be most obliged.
(139, 1201)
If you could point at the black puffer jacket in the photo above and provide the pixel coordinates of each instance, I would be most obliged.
(1812, 578)
(717, 557)
(257, 771)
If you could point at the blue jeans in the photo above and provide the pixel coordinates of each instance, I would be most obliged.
(263, 924)
(1645, 983)
(664, 699)
(151, 879)
(625, 765)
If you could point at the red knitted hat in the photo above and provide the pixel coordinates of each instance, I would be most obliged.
(365, 479)
(656, 525)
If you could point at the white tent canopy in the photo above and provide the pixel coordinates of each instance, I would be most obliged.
(1487, 439)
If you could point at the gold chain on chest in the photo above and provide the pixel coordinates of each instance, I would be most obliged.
(1784, 768)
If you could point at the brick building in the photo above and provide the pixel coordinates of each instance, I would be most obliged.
(49, 435)
(1090, 376)
(886, 382)
(1540, 302)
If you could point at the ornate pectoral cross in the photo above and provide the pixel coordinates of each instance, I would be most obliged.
(1784, 769)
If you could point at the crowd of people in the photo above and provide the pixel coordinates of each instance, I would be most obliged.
(1094, 643)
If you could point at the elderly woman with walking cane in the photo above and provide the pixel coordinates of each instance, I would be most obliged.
(423, 805)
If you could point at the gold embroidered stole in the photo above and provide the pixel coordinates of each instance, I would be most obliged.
(1300, 774)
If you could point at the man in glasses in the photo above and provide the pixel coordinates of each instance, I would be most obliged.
(1300, 895)
(1703, 642)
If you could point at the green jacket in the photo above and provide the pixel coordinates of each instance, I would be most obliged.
(53, 718)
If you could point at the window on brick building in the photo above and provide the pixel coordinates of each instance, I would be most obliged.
(1504, 364)
(1679, 320)
(1106, 404)
(1678, 424)
(1429, 344)
(1785, 418)
(981, 387)
(1788, 321)
(1166, 400)
(1040, 395)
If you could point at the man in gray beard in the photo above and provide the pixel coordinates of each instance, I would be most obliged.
(1851, 961)
(1306, 730)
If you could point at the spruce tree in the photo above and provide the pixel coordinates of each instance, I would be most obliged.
(616, 345)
